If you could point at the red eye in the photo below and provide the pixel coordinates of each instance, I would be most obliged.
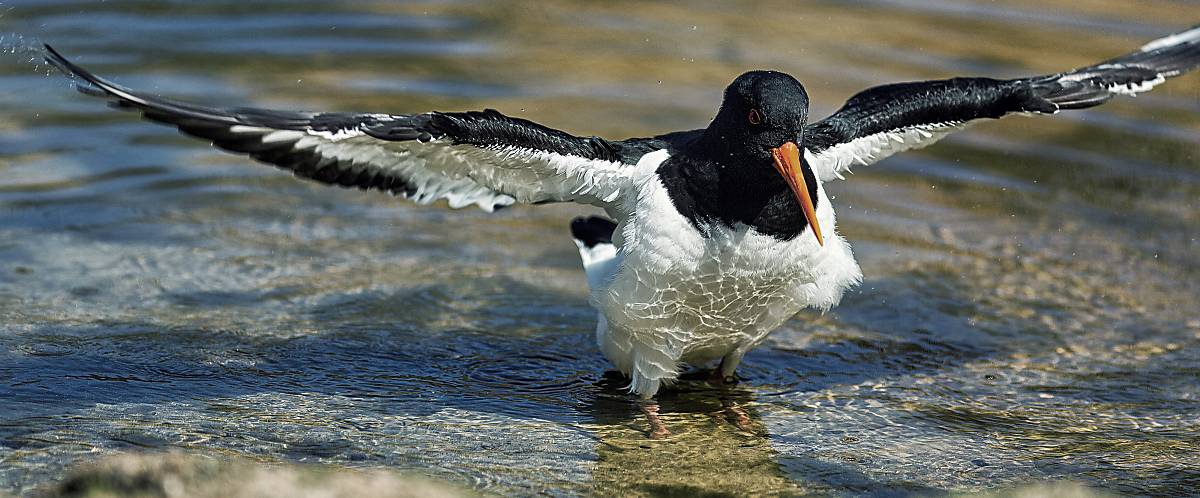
(755, 117)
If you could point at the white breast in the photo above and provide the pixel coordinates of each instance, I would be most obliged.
(677, 295)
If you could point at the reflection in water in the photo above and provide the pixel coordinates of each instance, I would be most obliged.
(718, 444)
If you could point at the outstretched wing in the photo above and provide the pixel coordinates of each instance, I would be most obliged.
(884, 120)
(482, 158)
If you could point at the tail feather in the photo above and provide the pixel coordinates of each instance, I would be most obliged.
(592, 230)
(593, 236)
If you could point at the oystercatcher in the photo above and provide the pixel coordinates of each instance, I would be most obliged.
(714, 237)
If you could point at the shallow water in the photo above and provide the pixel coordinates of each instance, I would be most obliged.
(1028, 314)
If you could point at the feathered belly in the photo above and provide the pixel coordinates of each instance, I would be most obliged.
(705, 314)
(676, 294)
(698, 305)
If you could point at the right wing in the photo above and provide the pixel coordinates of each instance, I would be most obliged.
(482, 158)
(888, 119)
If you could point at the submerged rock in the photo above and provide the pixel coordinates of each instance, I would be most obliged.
(175, 475)
(1045, 490)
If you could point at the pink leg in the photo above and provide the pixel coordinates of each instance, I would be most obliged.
(737, 415)
(724, 373)
(658, 430)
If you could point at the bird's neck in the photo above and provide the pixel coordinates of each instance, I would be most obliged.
(717, 188)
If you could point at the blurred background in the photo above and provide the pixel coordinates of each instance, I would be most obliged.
(1028, 312)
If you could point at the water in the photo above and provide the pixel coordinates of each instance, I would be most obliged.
(1029, 309)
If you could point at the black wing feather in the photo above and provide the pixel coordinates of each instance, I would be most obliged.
(896, 106)
(891, 109)
(247, 131)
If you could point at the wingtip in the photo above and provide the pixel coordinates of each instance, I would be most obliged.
(1190, 35)
(54, 57)
(85, 81)
(60, 62)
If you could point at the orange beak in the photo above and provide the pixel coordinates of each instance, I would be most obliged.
(787, 162)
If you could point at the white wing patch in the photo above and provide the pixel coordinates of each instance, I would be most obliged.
(465, 174)
(831, 163)
(462, 174)
(361, 152)
(534, 175)
(1190, 35)
(1132, 88)
(1136, 88)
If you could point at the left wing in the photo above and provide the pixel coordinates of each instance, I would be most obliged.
(482, 158)
(884, 120)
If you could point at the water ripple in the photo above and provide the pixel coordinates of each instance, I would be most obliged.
(1027, 312)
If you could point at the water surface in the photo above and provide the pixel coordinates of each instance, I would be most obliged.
(1028, 314)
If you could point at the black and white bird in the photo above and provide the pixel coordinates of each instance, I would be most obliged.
(714, 237)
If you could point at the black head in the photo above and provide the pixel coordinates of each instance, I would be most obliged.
(758, 133)
(762, 110)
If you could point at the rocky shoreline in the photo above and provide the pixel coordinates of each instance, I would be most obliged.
(180, 475)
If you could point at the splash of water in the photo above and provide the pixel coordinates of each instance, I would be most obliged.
(28, 49)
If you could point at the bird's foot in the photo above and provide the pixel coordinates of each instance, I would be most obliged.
(658, 430)
(734, 414)
(738, 416)
(717, 378)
